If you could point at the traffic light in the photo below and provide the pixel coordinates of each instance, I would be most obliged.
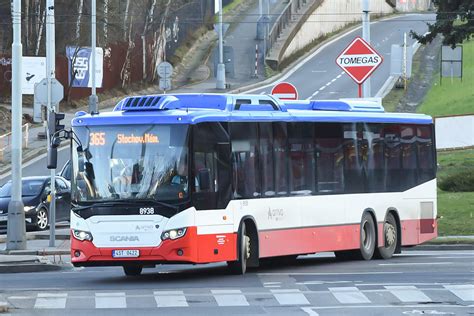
(54, 122)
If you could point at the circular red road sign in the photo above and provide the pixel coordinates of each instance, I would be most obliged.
(285, 91)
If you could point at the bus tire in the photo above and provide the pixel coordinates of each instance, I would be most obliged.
(367, 237)
(244, 250)
(390, 238)
(132, 270)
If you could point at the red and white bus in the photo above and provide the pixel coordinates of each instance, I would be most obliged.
(199, 178)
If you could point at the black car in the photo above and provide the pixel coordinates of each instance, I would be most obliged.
(35, 192)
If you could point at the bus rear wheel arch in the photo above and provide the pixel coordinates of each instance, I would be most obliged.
(368, 240)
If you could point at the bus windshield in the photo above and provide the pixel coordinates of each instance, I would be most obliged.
(130, 162)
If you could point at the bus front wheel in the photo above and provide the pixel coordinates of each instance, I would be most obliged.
(132, 270)
(244, 251)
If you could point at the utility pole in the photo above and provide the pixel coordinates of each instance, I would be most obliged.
(220, 84)
(93, 99)
(16, 236)
(366, 37)
(51, 74)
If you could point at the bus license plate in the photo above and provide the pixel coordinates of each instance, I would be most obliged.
(125, 253)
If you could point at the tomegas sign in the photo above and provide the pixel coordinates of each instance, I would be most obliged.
(359, 60)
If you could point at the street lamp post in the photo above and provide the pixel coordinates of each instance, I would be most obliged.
(220, 84)
(93, 99)
(16, 236)
(366, 37)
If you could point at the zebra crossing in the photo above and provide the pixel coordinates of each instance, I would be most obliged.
(343, 295)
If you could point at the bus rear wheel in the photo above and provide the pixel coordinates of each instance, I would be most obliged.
(367, 237)
(244, 248)
(132, 270)
(390, 236)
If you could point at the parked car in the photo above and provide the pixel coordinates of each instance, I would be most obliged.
(66, 171)
(35, 192)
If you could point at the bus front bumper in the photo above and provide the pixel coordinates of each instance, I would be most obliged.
(191, 248)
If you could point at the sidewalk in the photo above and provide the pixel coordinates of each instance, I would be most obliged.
(38, 256)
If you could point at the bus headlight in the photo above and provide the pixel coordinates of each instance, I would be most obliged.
(173, 234)
(82, 235)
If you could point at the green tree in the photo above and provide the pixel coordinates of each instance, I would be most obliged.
(454, 20)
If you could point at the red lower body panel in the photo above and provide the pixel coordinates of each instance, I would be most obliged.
(333, 238)
(193, 248)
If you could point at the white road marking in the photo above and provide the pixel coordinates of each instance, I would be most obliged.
(350, 307)
(30, 162)
(463, 291)
(110, 300)
(408, 293)
(322, 88)
(413, 263)
(319, 71)
(170, 299)
(51, 300)
(334, 79)
(328, 84)
(263, 92)
(339, 76)
(324, 282)
(230, 298)
(349, 295)
(309, 311)
(290, 297)
(327, 273)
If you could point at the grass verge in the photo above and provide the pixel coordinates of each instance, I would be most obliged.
(455, 208)
(453, 96)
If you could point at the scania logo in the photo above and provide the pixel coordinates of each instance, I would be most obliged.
(124, 238)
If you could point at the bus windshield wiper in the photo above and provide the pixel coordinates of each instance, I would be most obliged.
(154, 202)
(128, 202)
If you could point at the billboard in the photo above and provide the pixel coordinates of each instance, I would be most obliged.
(33, 71)
(80, 65)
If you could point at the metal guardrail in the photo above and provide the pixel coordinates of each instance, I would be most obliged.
(283, 20)
(6, 141)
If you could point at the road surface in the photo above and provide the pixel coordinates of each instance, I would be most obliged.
(413, 283)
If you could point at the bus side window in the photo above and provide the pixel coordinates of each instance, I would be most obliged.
(266, 159)
(409, 165)
(280, 155)
(302, 158)
(373, 157)
(393, 171)
(330, 157)
(211, 155)
(426, 156)
(245, 159)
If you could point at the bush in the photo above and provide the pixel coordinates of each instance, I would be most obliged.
(458, 182)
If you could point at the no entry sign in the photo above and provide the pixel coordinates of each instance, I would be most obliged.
(285, 91)
(359, 60)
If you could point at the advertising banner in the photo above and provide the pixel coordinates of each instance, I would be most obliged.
(80, 66)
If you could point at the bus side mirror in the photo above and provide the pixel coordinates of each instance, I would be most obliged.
(204, 179)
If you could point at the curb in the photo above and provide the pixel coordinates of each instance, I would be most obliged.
(442, 247)
(45, 252)
(33, 267)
